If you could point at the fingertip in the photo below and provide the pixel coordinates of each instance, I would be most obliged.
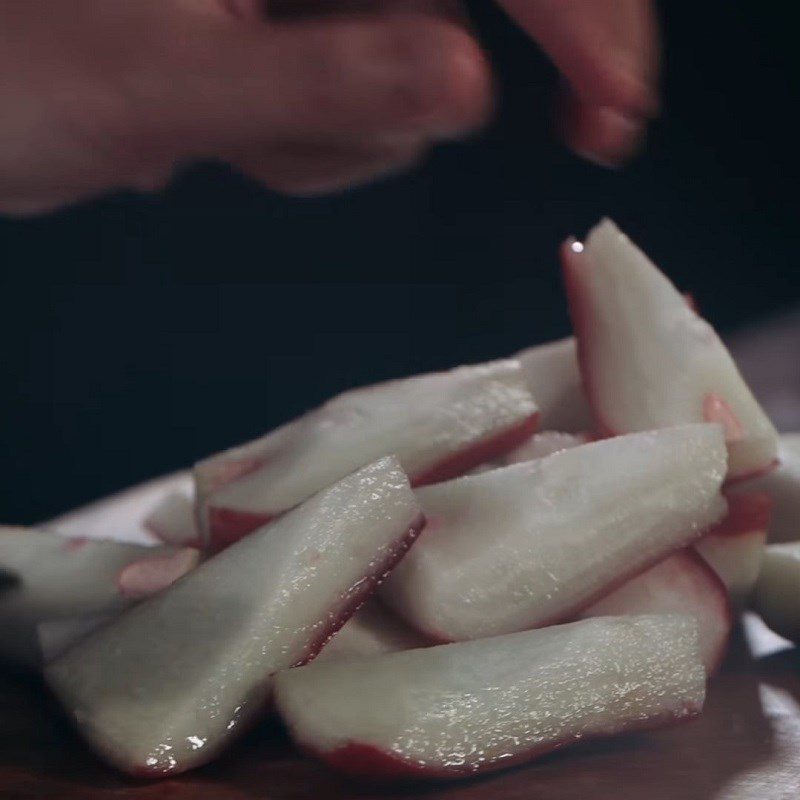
(615, 84)
(628, 93)
(467, 85)
(608, 50)
(469, 80)
(449, 89)
(602, 135)
(245, 9)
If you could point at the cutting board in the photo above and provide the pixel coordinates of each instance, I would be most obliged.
(746, 745)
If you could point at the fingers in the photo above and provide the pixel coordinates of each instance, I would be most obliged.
(310, 169)
(244, 9)
(283, 9)
(608, 51)
(413, 74)
(144, 87)
(333, 79)
(599, 133)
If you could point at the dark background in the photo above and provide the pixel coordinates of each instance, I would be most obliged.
(139, 334)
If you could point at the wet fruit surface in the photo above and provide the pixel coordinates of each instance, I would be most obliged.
(745, 745)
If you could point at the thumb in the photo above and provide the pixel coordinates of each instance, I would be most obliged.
(608, 50)
(236, 86)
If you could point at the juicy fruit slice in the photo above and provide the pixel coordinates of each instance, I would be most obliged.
(61, 578)
(648, 360)
(58, 635)
(555, 381)
(534, 543)
(459, 709)
(372, 631)
(541, 445)
(173, 521)
(777, 593)
(168, 684)
(680, 584)
(119, 516)
(439, 426)
(734, 547)
(783, 485)
(538, 446)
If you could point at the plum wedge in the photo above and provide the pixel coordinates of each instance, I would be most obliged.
(168, 684)
(541, 445)
(783, 485)
(534, 543)
(460, 709)
(60, 578)
(648, 360)
(734, 548)
(173, 521)
(56, 636)
(681, 584)
(538, 446)
(372, 631)
(439, 426)
(554, 378)
(777, 592)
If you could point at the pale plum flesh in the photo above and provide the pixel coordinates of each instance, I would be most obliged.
(680, 584)
(373, 630)
(777, 592)
(648, 360)
(458, 710)
(783, 485)
(534, 543)
(173, 521)
(554, 379)
(734, 548)
(61, 578)
(439, 426)
(200, 655)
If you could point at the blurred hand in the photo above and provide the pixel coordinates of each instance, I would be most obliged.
(105, 94)
(609, 54)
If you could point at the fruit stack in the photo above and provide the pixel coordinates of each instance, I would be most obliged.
(484, 565)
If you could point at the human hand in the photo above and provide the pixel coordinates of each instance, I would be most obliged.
(99, 95)
(609, 54)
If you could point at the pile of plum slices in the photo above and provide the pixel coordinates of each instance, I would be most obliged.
(484, 564)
